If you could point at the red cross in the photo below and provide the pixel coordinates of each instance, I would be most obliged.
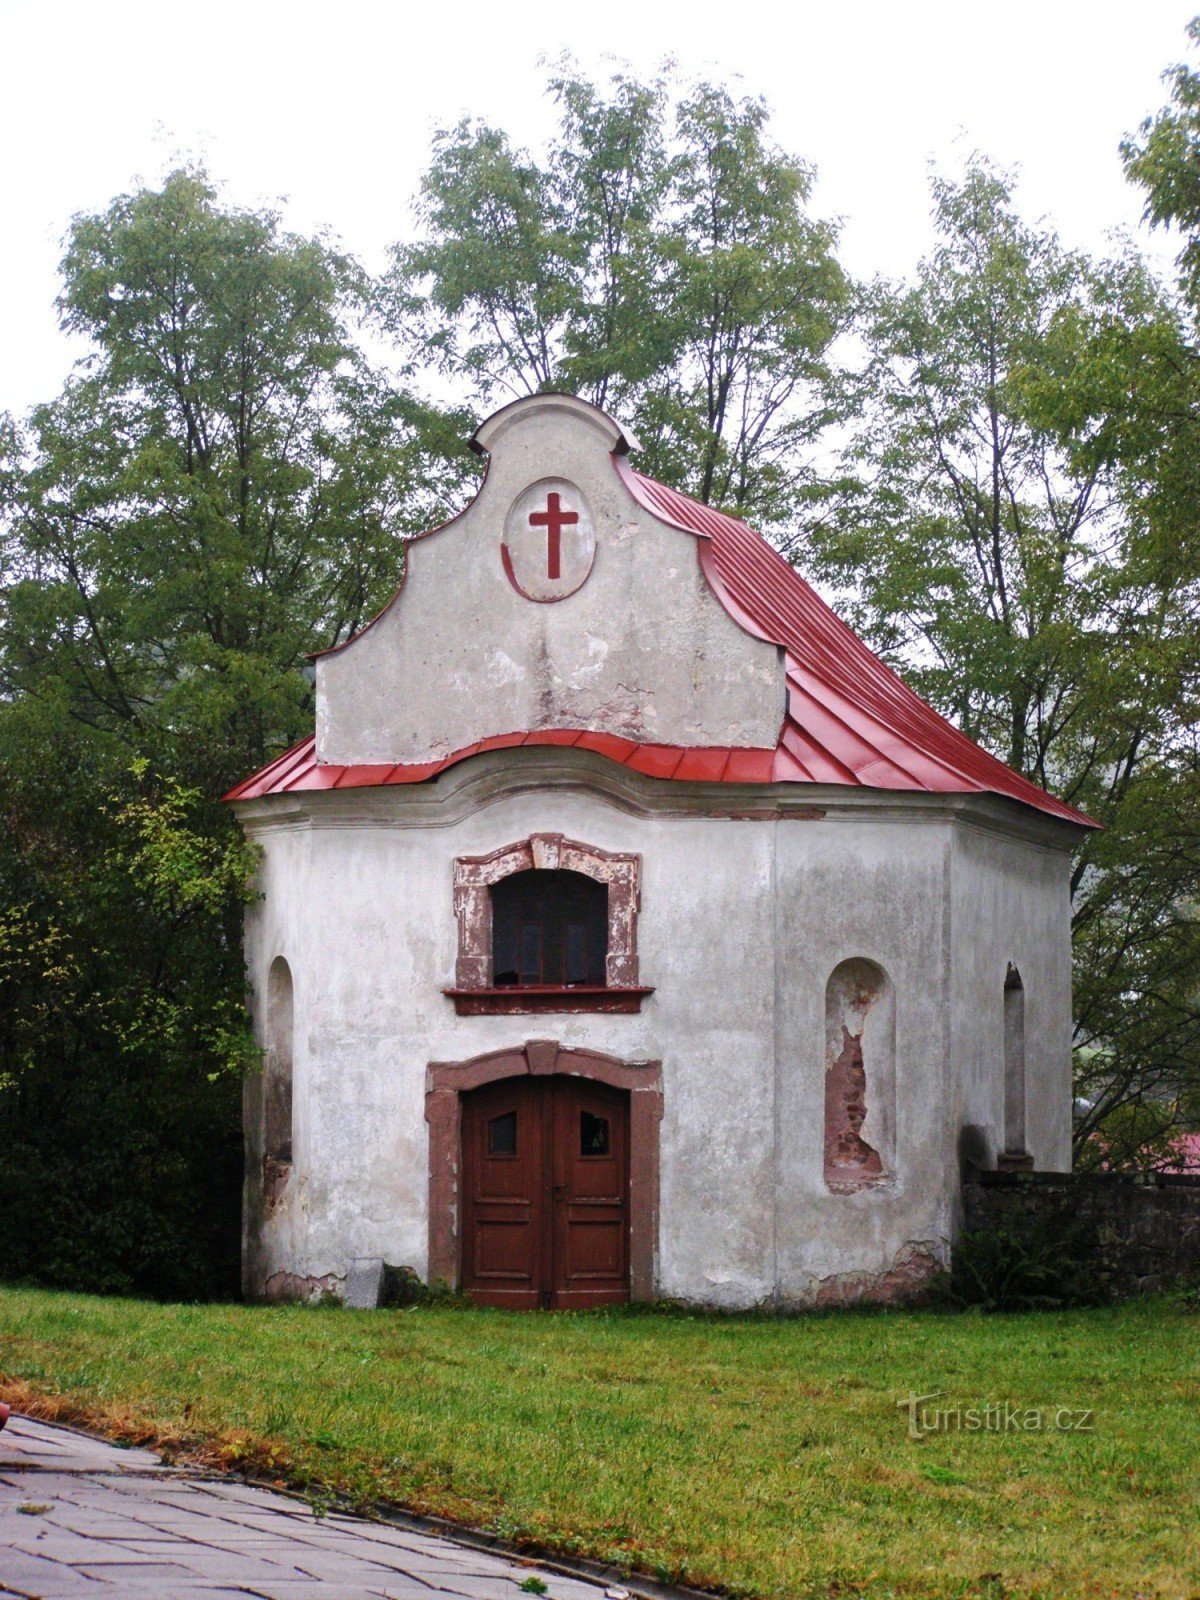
(554, 519)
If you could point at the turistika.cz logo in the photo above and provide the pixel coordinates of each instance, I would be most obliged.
(993, 1416)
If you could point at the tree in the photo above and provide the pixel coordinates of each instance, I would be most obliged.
(222, 486)
(122, 1041)
(1004, 546)
(1165, 161)
(660, 261)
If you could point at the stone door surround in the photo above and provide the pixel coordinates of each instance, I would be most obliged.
(446, 1081)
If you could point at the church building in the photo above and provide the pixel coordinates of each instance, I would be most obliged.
(628, 930)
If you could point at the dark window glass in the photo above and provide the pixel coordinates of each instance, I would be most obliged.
(549, 928)
(577, 966)
(531, 952)
(593, 1135)
(502, 1135)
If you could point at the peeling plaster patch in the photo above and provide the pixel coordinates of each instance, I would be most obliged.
(906, 1281)
(295, 1286)
(275, 1180)
(847, 1153)
(597, 659)
(624, 710)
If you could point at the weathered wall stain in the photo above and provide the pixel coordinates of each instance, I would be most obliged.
(275, 1179)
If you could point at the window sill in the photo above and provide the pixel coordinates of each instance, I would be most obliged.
(513, 1000)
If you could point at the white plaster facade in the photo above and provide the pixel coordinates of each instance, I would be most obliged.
(751, 896)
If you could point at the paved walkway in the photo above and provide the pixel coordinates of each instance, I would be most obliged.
(82, 1517)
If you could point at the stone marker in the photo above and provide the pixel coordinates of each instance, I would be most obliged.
(364, 1283)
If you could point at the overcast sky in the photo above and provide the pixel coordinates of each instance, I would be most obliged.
(332, 107)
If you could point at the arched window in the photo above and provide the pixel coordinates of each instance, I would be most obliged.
(860, 1076)
(546, 924)
(277, 1065)
(549, 927)
(1014, 1062)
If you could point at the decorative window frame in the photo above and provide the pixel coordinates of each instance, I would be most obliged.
(447, 1081)
(475, 992)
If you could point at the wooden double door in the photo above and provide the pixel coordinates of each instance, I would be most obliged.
(545, 1193)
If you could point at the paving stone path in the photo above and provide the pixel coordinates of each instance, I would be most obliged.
(82, 1517)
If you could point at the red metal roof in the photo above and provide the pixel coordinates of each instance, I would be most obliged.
(850, 719)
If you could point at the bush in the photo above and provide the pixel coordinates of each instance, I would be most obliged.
(1047, 1262)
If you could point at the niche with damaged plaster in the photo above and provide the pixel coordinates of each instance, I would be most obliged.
(860, 1076)
(277, 1081)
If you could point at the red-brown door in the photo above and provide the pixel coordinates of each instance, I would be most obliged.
(590, 1213)
(546, 1193)
(503, 1184)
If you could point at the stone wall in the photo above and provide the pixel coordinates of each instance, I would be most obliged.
(1146, 1226)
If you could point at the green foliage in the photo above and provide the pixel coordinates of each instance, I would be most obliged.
(1046, 1263)
(659, 261)
(403, 1287)
(1006, 533)
(223, 486)
(1165, 161)
(178, 869)
(123, 1040)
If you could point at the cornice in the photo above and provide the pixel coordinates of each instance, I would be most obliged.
(499, 775)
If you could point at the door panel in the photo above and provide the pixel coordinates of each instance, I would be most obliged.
(546, 1193)
(590, 1197)
(503, 1180)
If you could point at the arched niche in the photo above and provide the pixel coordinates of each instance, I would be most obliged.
(277, 1067)
(860, 1076)
(1014, 1063)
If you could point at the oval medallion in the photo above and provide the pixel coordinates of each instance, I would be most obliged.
(549, 540)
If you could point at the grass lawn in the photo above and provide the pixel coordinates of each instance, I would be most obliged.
(767, 1457)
